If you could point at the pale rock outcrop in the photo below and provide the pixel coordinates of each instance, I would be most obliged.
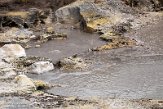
(24, 84)
(41, 67)
(12, 51)
(7, 71)
(16, 35)
(94, 17)
(101, 15)
(68, 14)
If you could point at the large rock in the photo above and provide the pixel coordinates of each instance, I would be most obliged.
(16, 35)
(7, 71)
(68, 14)
(41, 67)
(100, 15)
(24, 84)
(12, 51)
(94, 17)
(31, 64)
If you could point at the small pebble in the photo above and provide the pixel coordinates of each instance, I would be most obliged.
(37, 46)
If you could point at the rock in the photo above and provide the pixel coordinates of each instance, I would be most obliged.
(72, 13)
(7, 88)
(41, 67)
(7, 71)
(118, 42)
(25, 63)
(51, 36)
(115, 32)
(68, 14)
(24, 84)
(12, 51)
(38, 46)
(72, 63)
(94, 17)
(16, 35)
(100, 15)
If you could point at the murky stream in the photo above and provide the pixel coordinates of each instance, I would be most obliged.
(76, 43)
(130, 73)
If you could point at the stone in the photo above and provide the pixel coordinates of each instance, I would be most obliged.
(25, 64)
(118, 42)
(16, 35)
(38, 46)
(41, 67)
(51, 36)
(72, 63)
(7, 71)
(115, 32)
(12, 51)
(68, 14)
(91, 16)
(24, 84)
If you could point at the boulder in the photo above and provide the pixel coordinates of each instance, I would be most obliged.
(12, 51)
(99, 15)
(68, 14)
(16, 35)
(41, 67)
(24, 84)
(7, 71)
(94, 17)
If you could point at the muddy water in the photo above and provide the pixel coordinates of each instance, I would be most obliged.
(76, 43)
(130, 73)
(131, 81)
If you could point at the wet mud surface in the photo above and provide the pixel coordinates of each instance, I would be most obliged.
(77, 42)
(129, 73)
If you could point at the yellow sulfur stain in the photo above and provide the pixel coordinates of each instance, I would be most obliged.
(22, 14)
(118, 43)
(92, 25)
(97, 22)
